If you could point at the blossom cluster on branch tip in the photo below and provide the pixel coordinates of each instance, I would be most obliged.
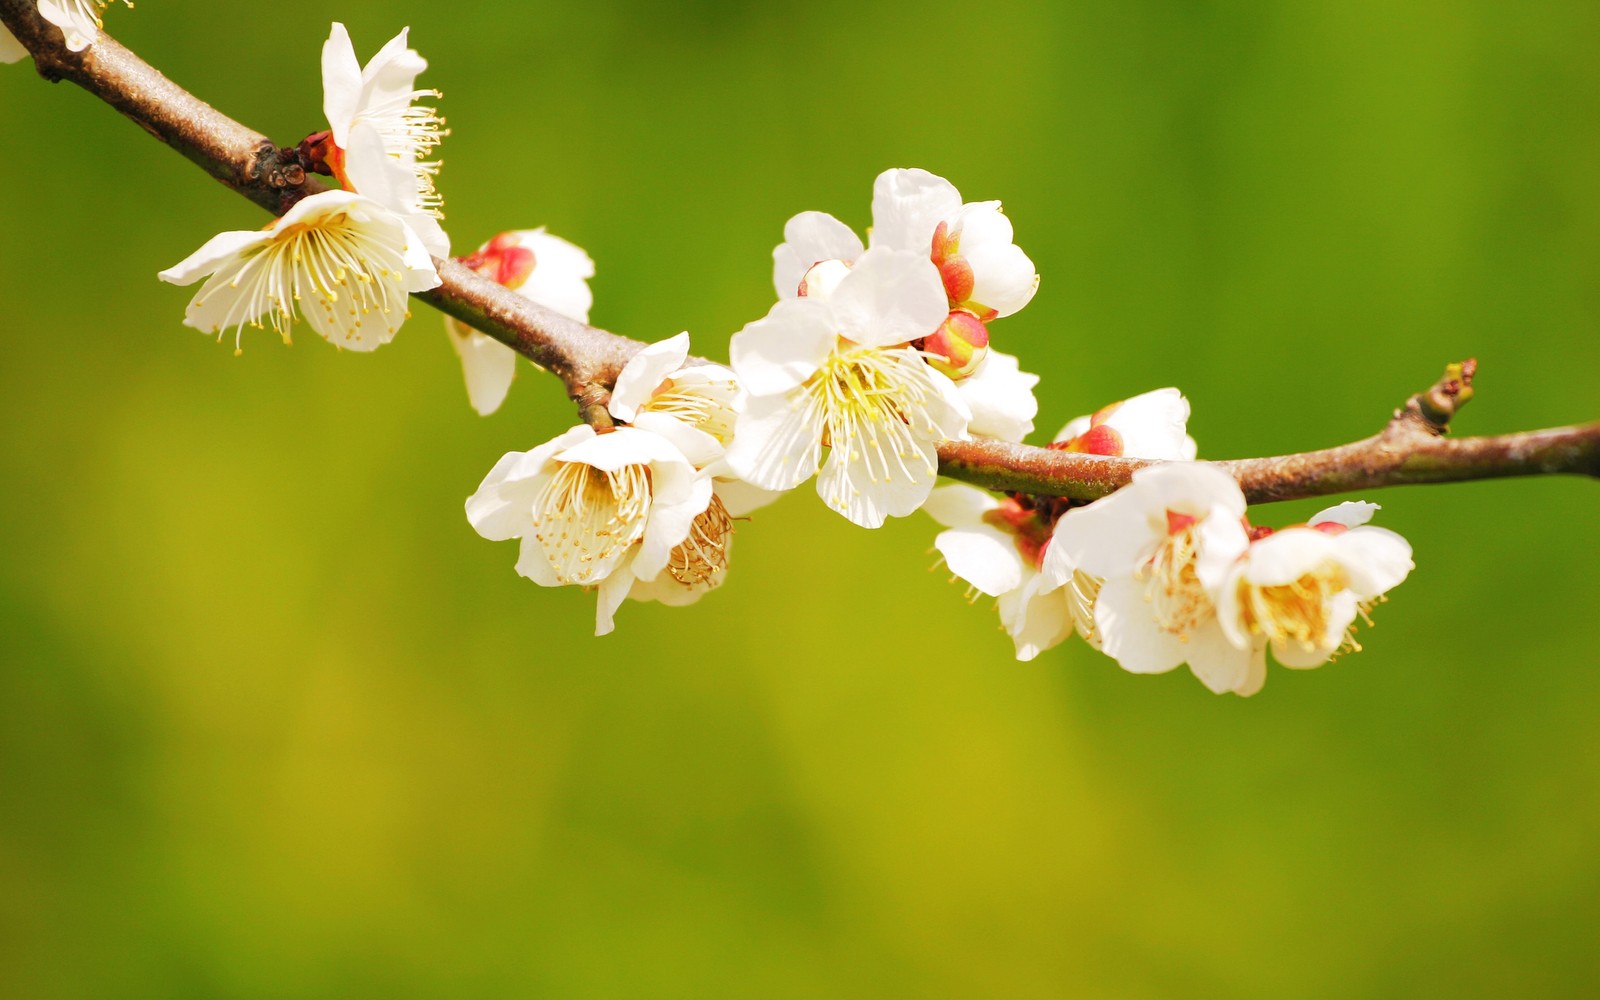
(873, 355)
(345, 260)
(79, 21)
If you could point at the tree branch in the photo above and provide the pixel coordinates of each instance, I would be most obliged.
(1411, 449)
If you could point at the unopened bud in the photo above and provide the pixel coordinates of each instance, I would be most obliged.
(959, 345)
(503, 260)
(823, 277)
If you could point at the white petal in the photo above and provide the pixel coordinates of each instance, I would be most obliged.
(561, 273)
(890, 297)
(487, 364)
(1222, 541)
(1003, 278)
(1129, 633)
(1000, 396)
(1108, 539)
(1036, 621)
(698, 447)
(1154, 425)
(984, 556)
(1285, 556)
(808, 238)
(1189, 487)
(1256, 676)
(75, 18)
(849, 484)
(1220, 665)
(613, 590)
(783, 349)
(341, 84)
(622, 446)
(959, 505)
(777, 443)
(534, 564)
(738, 496)
(907, 206)
(1230, 615)
(216, 250)
(671, 518)
(1351, 514)
(1376, 559)
(391, 74)
(1341, 610)
(981, 225)
(11, 50)
(374, 173)
(646, 370)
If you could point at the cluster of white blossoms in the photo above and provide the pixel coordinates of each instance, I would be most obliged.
(1168, 570)
(79, 21)
(873, 354)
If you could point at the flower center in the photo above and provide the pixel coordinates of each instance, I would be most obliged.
(1296, 611)
(586, 518)
(1176, 597)
(702, 558)
(873, 402)
(706, 406)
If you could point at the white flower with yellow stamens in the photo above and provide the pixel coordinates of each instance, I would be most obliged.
(342, 261)
(604, 511)
(837, 371)
(79, 21)
(1164, 545)
(1301, 588)
(538, 266)
(383, 140)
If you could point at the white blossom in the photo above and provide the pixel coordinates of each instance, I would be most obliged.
(837, 372)
(607, 511)
(383, 139)
(1301, 588)
(534, 264)
(343, 261)
(1150, 425)
(1163, 545)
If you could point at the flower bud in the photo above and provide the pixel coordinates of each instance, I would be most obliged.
(959, 345)
(503, 260)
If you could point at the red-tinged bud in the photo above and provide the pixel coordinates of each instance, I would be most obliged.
(1331, 527)
(957, 276)
(823, 277)
(959, 345)
(1102, 440)
(1256, 532)
(1029, 530)
(1176, 522)
(503, 260)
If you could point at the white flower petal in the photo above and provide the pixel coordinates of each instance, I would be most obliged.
(1351, 514)
(215, 251)
(808, 238)
(959, 505)
(1220, 665)
(532, 562)
(341, 83)
(1129, 633)
(1035, 620)
(561, 273)
(738, 497)
(783, 349)
(11, 50)
(907, 206)
(1107, 539)
(77, 19)
(1154, 425)
(1376, 559)
(1000, 396)
(889, 297)
(777, 443)
(613, 590)
(1285, 556)
(984, 556)
(698, 447)
(1222, 541)
(1003, 278)
(855, 483)
(487, 364)
(671, 517)
(646, 370)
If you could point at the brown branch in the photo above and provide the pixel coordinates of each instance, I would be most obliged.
(1411, 449)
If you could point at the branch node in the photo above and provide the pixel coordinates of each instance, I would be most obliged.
(1432, 409)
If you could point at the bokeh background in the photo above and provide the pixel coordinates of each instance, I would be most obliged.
(275, 722)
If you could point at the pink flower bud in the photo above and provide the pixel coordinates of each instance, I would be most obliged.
(959, 345)
(503, 260)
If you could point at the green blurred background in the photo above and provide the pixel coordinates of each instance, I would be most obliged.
(275, 722)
